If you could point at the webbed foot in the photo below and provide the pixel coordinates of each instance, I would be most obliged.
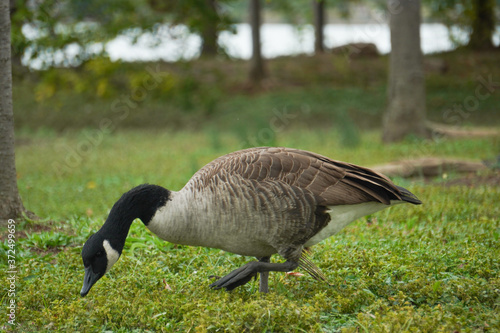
(237, 278)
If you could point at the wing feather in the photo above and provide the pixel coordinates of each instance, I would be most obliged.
(331, 182)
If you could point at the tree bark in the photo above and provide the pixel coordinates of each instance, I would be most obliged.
(257, 71)
(11, 205)
(209, 34)
(16, 53)
(319, 23)
(483, 25)
(405, 114)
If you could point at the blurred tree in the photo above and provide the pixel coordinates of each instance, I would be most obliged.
(40, 29)
(406, 92)
(11, 205)
(209, 33)
(475, 16)
(319, 22)
(257, 71)
(293, 11)
(207, 18)
(44, 27)
(483, 24)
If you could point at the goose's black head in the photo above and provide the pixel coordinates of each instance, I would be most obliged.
(102, 250)
(98, 256)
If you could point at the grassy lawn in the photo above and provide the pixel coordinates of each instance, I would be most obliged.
(428, 268)
(328, 91)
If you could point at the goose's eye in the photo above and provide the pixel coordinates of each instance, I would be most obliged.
(99, 254)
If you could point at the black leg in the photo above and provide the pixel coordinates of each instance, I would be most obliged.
(242, 275)
(264, 277)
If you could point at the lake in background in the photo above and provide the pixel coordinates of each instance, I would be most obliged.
(277, 40)
(176, 43)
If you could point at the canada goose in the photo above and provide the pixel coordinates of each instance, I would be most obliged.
(253, 202)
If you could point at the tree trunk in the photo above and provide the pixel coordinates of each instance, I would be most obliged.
(11, 205)
(483, 25)
(257, 71)
(209, 34)
(319, 23)
(405, 114)
(16, 52)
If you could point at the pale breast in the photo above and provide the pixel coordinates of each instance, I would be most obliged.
(341, 216)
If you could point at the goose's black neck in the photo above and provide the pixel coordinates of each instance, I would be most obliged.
(141, 202)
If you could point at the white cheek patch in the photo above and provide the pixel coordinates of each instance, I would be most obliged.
(111, 254)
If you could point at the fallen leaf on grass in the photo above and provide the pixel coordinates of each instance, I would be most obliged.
(167, 286)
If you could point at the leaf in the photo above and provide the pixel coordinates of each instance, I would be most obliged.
(436, 286)
(167, 286)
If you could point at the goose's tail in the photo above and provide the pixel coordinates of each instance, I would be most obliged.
(408, 196)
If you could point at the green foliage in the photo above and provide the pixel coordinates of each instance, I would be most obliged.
(472, 16)
(43, 30)
(47, 240)
(428, 268)
(327, 91)
(105, 79)
(55, 25)
(197, 15)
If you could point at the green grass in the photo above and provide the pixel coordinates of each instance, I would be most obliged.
(428, 268)
(323, 91)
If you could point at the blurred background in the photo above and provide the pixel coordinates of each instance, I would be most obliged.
(182, 82)
(188, 64)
